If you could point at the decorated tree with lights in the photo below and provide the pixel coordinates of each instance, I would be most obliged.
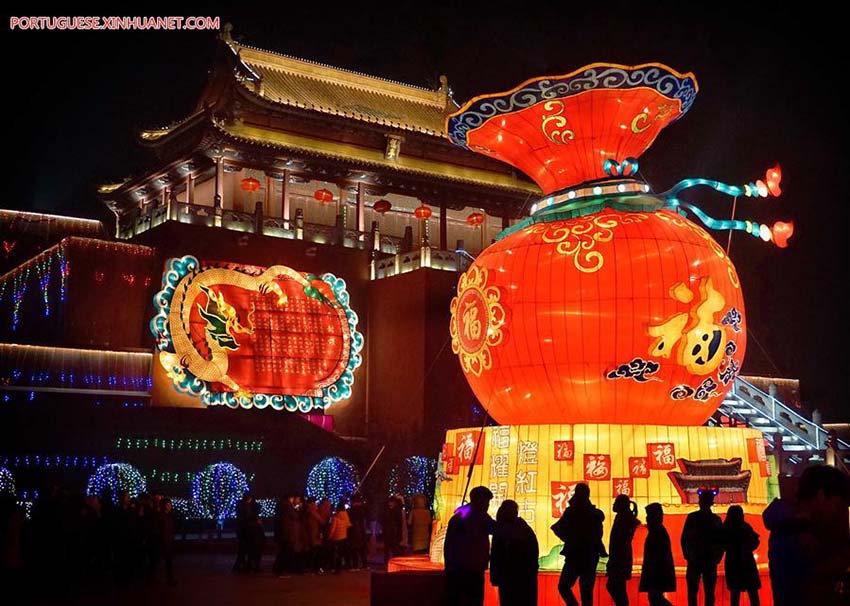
(332, 478)
(414, 475)
(114, 478)
(217, 489)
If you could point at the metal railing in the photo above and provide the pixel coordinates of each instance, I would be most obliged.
(748, 401)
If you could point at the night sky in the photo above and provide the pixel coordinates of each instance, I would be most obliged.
(769, 91)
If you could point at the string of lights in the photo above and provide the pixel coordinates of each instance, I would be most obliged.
(7, 482)
(332, 478)
(54, 262)
(30, 461)
(72, 368)
(174, 477)
(129, 443)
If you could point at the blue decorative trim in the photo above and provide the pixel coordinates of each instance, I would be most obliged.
(683, 89)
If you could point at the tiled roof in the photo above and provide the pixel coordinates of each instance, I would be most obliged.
(305, 84)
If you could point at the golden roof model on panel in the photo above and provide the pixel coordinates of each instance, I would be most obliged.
(331, 90)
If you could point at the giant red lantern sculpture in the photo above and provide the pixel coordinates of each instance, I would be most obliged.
(607, 304)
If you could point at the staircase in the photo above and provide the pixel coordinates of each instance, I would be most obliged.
(801, 438)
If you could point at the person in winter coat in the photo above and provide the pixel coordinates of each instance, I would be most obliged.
(166, 527)
(740, 565)
(420, 525)
(357, 539)
(287, 534)
(619, 568)
(391, 522)
(312, 523)
(337, 536)
(467, 549)
(254, 533)
(580, 528)
(702, 545)
(658, 574)
(513, 558)
(809, 544)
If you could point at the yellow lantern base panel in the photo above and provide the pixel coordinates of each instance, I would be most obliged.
(538, 466)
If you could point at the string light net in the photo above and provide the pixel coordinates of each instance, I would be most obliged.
(217, 489)
(415, 475)
(333, 478)
(7, 482)
(113, 479)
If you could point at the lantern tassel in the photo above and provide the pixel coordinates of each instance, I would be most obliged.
(779, 234)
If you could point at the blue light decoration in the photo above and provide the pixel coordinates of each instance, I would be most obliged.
(177, 363)
(332, 478)
(414, 475)
(115, 478)
(7, 482)
(217, 489)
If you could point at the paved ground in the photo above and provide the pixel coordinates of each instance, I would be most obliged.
(207, 579)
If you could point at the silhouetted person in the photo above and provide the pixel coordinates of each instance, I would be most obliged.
(254, 533)
(11, 538)
(166, 528)
(391, 522)
(741, 541)
(702, 545)
(311, 521)
(287, 527)
(241, 562)
(619, 568)
(357, 540)
(657, 575)
(580, 528)
(467, 549)
(513, 558)
(809, 548)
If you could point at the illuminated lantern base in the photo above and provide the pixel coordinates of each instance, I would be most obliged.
(547, 583)
(538, 465)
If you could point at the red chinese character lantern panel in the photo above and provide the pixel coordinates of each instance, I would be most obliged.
(565, 450)
(638, 467)
(623, 486)
(562, 492)
(468, 446)
(661, 455)
(597, 467)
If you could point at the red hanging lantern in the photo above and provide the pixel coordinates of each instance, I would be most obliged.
(323, 195)
(475, 219)
(382, 206)
(781, 232)
(250, 184)
(422, 212)
(773, 178)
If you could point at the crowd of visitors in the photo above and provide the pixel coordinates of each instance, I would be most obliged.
(79, 537)
(313, 536)
(809, 549)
